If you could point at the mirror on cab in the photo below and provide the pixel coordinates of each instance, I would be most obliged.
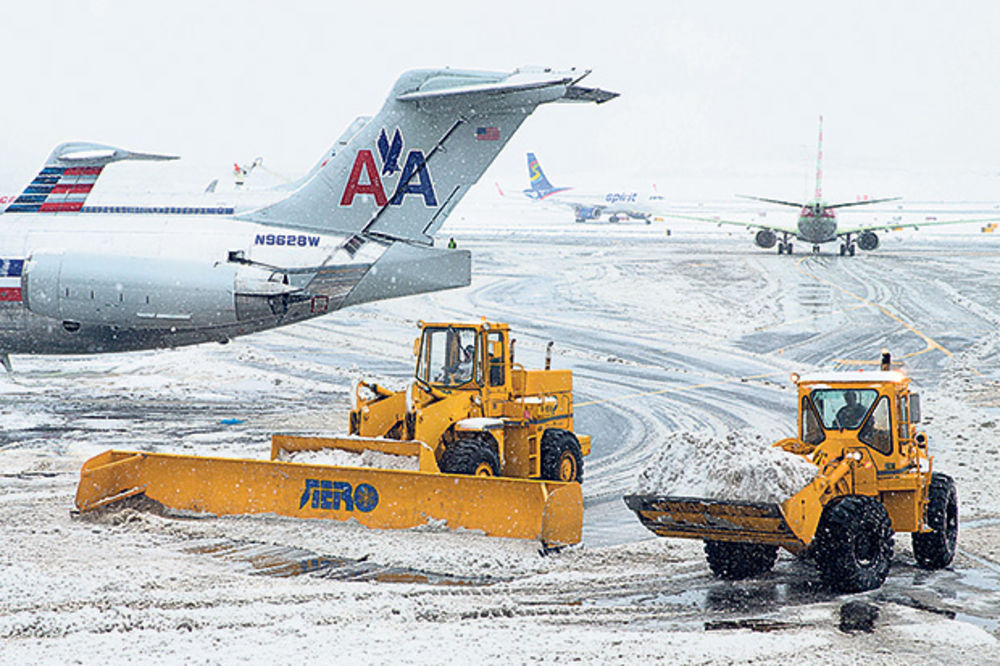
(914, 408)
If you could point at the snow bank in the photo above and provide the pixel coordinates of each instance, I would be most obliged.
(740, 466)
(343, 458)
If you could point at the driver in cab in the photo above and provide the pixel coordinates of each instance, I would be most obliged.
(460, 371)
(849, 416)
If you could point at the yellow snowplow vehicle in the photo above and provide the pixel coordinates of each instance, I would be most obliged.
(476, 441)
(874, 477)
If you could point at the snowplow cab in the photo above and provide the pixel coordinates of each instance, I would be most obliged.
(840, 411)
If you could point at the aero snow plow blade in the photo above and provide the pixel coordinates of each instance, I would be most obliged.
(549, 511)
(714, 520)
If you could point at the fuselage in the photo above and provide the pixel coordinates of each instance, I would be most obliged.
(119, 282)
(817, 224)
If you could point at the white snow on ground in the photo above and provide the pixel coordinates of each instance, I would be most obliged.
(741, 465)
(345, 458)
(688, 334)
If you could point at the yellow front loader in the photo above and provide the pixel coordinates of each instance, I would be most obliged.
(874, 477)
(475, 442)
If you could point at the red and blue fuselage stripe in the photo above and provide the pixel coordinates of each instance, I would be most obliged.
(10, 280)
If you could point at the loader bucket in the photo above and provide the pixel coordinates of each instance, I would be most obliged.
(715, 520)
(551, 512)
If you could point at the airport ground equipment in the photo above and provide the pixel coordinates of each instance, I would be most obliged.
(874, 477)
(476, 442)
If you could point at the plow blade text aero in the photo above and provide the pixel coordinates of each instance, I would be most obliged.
(551, 512)
(715, 520)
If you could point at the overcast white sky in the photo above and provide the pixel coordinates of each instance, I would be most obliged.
(725, 93)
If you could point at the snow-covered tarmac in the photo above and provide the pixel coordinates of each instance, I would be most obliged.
(694, 331)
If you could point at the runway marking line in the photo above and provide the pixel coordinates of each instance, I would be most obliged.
(929, 341)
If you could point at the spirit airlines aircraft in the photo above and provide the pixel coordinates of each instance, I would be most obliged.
(81, 280)
(616, 205)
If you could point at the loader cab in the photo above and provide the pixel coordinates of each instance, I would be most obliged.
(846, 409)
(450, 356)
(465, 356)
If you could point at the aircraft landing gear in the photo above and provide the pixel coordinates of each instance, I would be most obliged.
(846, 249)
(785, 246)
(815, 249)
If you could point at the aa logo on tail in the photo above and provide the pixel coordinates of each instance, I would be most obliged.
(367, 178)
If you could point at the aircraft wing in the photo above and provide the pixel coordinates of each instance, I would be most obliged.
(732, 223)
(914, 225)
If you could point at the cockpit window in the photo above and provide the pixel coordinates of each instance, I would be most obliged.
(447, 356)
(842, 409)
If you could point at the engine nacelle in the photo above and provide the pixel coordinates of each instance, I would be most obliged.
(588, 213)
(868, 240)
(765, 238)
(134, 292)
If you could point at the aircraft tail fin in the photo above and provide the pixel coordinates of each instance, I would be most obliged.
(540, 185)
(402, 173)
(819, 163)
(68, 176)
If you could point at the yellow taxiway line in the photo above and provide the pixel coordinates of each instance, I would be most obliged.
(929, 341)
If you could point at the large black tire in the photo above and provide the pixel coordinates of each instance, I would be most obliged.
(562, 459)
(853, 544)
(936, 550)
(473, 453)
(735, 561)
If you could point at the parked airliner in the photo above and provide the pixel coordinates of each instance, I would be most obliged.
(81, 279)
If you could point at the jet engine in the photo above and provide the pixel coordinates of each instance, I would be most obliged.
(765, 238)
(134, 292)
(587, 213)
(868, 240)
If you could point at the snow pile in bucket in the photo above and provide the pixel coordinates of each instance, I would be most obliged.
(740, 466)
(344, 458)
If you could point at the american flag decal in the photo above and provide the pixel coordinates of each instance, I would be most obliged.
(10, 280)
(487, 134)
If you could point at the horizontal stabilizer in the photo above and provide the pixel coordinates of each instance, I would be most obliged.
(861, 203)
(794, 204)
(79, 153)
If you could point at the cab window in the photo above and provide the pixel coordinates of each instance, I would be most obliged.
(495, 359)
(877, 429)
(842, 409)
(903, 416)
(448, 356)
(811, 432)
